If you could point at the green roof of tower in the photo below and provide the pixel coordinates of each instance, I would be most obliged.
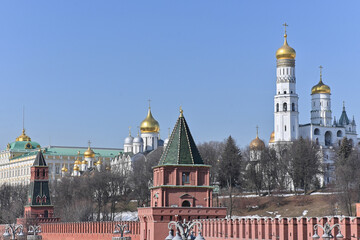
(181, 148)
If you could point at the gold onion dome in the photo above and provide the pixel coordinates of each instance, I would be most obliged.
(149, 124)
(89, 153)
(285, 52)
(64, 169)
(272, 137)
(257, 143)
(76, 168)
(320, 87)
(84, 162)
(23, 137)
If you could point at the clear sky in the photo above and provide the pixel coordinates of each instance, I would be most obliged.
(85, 69)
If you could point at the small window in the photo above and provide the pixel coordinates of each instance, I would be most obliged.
(285, 128)
(285, 107)
(316, 131)
(277, 107)
(284, 92)
(185, 177)
(339, 133)
(293, 107)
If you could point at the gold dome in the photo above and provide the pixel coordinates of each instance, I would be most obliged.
(149, 124)
(320, 87)
(257, 143)
(76, 168)
(23, 137)
(77, 161)
(64, 169)
(89, 153)
(84, 162)
(285, 52)
(272, 137)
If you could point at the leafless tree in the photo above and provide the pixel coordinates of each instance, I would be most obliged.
(211, 154)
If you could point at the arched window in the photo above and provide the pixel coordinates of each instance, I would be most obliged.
(316, 131)
(339, 133)
(293, 107)
(43, 172)
(285, 128)
(284, 92)
(186, 203)
(328, 139)
(277, 107)
(285, 107)
(37, 172)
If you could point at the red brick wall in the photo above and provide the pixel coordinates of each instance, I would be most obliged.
(213, 229)
(86, 230)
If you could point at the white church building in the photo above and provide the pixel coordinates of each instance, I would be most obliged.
(323, 128)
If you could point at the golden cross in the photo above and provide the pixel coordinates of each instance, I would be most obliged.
(89, 143)
(285, 25)
(129, 130)
(149, 103)
(257, 130)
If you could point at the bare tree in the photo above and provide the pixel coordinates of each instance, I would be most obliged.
(347, 175)
(305, 164)
(211, 154)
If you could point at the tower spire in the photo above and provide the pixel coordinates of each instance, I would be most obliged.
(23, 119)
(321, 67)
(257, 131)
(181, 112)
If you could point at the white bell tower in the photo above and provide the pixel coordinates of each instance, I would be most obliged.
(321, 103)
(286, 114)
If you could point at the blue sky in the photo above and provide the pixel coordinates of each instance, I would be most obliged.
(85, 69)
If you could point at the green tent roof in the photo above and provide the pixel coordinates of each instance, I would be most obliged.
(181, 148)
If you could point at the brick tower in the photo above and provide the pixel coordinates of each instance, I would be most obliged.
(181, 186)
(39, 207)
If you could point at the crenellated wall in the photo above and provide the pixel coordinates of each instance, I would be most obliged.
(276, 228)
(213, 229)
(86, 230)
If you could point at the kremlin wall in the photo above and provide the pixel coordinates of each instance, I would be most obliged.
(213, 229)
